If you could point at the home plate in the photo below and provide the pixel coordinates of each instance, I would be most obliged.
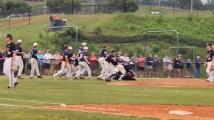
(177, 112)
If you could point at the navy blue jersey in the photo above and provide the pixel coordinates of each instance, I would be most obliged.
(210, 55)
(188, 65)
(19, 50)
(103, 52)
(10, 49)
(82, 56)
(81, 49)
(34, 53)
(177, 64)
(149, 61)
(111, 59)
(198, 63)
(67, 54)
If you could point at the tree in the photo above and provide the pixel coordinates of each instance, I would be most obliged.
(66, 6)
(187, 3)
(125, 5)
(11, 7)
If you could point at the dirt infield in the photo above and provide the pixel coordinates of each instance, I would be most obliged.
(184, 83)
(162, 112)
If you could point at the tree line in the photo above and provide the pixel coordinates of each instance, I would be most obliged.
(13, 7)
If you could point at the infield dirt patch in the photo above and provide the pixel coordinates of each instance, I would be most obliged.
(155, 111)
(184, 83)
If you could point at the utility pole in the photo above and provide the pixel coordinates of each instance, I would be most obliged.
(45, 6)
(159, 4)
(72, 7)
(191, 6)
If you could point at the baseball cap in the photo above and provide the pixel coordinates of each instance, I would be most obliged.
(35, 44)
(70, 48)
(84, 43)
(19, 41)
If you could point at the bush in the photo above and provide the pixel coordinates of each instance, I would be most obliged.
(11, 7)
(125, 5)
(131, 6)
(65, 6)
(98, 30)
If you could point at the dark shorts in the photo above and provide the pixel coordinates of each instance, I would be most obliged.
(57, 66)
(47, 65)
(140, 68)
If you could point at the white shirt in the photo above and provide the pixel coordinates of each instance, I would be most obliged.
(47, 58)
(125, 58)
(166, 61)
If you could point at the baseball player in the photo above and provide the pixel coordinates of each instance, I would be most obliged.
(19, 58)
(111, 62)
(81, 49)
(10, 64)
(101, 60)
(34, 62)
(66, 66)
(209, 62)
(83, 64)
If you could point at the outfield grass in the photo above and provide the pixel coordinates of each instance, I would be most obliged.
(98, 92)
(90, 92)
(31, 114)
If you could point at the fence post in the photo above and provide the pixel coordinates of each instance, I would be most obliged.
(9, 21)
(124, 5)
(29, 20)
(173, 10)
(72, 7)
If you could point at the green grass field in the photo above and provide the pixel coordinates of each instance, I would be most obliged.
(72, 92)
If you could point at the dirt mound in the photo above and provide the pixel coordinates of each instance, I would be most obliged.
(186, 83)
(163, 112)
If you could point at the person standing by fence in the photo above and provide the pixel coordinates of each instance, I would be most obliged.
(47, 62)
(140, 65)
(149, 63)
(156, 65)
(93, 63)
(57, 61)
(40, 57)
(197, 67)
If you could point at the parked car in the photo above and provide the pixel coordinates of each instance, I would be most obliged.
(14, 16)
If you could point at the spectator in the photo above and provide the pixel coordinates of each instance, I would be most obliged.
(166, 61)
(177, 66)
(156, 64)
(58, 61)
(140, 63)
(125, 58)
(93, 62)
(40, 57)
(182, 65)
(197, 67)
(170, 68)
(51, 19)
(27, 63)
(149, 63)
(189, 67)
(47, 62)
(134, 59)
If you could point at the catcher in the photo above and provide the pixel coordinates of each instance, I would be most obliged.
(10, 64)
